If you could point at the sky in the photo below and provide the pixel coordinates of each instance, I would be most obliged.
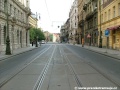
(53, 13)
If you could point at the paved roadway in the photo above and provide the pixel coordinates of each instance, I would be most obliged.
(59, 67)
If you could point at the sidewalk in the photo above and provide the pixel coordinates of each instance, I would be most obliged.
(108, 52)
(16, 51)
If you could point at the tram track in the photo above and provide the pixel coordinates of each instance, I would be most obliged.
(21, 69)
(77, 79)
(71, 68)
(41, 78)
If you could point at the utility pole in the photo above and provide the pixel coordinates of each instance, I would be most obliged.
(8, 50)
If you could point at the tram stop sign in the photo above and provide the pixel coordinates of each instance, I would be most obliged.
(107, 32)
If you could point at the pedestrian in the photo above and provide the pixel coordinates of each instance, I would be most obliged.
(32, 43)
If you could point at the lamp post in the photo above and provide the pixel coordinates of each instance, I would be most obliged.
(100, 38)
(8, 50)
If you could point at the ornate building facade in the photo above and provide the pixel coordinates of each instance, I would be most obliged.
(14, 22)
(81, 19)
(91, 22)
(73, 21)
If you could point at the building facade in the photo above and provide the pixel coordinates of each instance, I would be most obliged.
(33, 21)
(109, 14)
(47, 36)
(67, 28)
(16, 13)
(56, 37)
(62, 34)
(91, 22)
(73, 21)
(81, 19)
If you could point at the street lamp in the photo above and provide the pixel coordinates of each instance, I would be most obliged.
(8, 50)
(100, 38)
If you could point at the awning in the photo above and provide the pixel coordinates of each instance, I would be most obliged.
(113, 28)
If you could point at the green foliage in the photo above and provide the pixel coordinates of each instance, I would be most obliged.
(36, 34)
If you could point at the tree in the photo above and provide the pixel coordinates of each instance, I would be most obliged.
(32, 34)
(36, 34)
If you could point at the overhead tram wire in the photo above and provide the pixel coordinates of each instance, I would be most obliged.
(47, 10)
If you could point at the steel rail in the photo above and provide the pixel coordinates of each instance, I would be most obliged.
(16, 73)
(98, 70)
(72, 70)
(41, 78)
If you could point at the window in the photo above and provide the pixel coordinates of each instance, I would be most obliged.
(109, 14)
(114, 36)
(4, 34)
(75, 17)
(75, 24)
(18, 14)
(105, 16)
(119, 9)
(113, 11)
(5, 5)
(75, 10)
(18, 36)
(10, 9)
(21, 17)
(102, 18)
(14, 11)
(95, 21)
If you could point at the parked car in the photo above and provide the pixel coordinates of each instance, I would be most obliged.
(43, 42)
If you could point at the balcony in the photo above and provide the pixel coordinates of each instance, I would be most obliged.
(91, 14)
(28, 10)
(28, 26)
(81, 23)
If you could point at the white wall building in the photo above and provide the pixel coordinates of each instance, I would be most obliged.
(73, 20)
(18, 23)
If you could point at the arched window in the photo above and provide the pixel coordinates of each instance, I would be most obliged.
(18, 36)
(4, 34)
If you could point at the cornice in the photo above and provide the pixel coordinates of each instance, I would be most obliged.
(113, 19)
(26, 9)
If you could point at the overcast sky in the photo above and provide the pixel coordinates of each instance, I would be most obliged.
(53, 13)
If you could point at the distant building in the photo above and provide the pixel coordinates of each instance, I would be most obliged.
(33, 21)
(62, 34)
(18, 23)
(56, 37)
(47, 36)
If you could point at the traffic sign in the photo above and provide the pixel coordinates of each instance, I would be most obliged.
(88, 36)
(107, 32)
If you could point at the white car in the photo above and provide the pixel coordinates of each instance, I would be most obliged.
(43, 42)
